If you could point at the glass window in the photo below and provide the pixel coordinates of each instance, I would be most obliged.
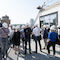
(50, 19)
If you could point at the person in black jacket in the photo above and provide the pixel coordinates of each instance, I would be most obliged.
(27, 32)
(16, 39)
(45, 36)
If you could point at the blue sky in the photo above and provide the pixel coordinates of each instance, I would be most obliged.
(21, 11)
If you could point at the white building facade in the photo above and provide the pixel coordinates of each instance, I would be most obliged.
(50, 15)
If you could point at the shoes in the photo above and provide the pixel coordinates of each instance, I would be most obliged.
(19, 53)
(40, 50)
(44, 48)
(47, 55)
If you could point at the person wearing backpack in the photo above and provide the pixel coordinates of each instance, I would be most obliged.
(27, 32)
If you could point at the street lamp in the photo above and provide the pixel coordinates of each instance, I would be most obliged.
(40, 8)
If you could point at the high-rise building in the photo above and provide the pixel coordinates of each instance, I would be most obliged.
(31, 22)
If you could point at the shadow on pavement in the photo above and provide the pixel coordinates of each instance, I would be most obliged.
(37, 56)
(10, 58)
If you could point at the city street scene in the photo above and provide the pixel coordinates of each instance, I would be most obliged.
(29, 29)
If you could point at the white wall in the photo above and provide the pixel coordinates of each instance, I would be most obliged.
(59, 16)
(51, 10)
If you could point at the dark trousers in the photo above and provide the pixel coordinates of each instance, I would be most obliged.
(49, 45)
(26, 45)
(37, 40)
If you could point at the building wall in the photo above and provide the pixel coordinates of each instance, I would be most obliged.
(49, 10)
(59, 16)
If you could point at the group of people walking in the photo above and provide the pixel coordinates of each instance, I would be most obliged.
(15, 35)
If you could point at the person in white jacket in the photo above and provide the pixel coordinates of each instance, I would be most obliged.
(37, 38)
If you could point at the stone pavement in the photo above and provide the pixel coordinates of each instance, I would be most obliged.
(33, 56)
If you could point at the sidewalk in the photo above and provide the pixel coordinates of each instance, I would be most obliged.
(33, 56)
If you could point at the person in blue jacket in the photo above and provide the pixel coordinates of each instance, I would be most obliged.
(52, 36)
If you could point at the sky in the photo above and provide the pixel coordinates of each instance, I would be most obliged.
(21, 11)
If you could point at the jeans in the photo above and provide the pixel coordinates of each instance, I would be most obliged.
(26, 45)
(37, 40)
(4, 46)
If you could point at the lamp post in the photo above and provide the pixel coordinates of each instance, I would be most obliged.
(40, 8)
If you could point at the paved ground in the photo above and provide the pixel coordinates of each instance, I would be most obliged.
(33, 56)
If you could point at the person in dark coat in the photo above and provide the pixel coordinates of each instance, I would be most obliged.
(27, 32)
(45, 36)
(16, 39)
(22, 35)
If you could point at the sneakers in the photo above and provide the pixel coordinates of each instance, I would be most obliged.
(41, 51)
(44, 48)
(18, 53)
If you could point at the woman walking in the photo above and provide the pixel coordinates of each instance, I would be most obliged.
(16, 39)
